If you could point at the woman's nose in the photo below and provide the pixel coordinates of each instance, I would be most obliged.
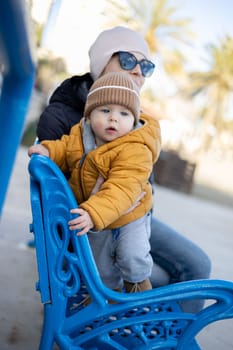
(137, 70)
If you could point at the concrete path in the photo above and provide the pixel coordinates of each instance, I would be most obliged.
(208, 224)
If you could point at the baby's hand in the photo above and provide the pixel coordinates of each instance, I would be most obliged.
(39, 149)
(83, 222)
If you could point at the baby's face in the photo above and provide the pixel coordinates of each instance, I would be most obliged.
(109, 122)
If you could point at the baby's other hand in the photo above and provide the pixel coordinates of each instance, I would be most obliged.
(38, 149)
(83, 222)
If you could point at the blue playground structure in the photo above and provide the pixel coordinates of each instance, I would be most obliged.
(80, 312)
(17, 72)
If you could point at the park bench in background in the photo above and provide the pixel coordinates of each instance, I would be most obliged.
(112, 320)
(174, 172)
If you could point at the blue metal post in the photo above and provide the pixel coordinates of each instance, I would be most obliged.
(18, 78)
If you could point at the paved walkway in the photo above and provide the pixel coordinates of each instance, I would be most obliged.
(208, 224)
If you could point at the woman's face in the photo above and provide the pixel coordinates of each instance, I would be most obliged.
(135, 74)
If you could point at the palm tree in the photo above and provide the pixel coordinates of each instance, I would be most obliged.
(166, 33)
(158, 22)
(215, 86)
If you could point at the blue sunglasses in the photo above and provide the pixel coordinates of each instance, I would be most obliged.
(128, 61)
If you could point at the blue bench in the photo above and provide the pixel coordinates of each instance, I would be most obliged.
(111, 320)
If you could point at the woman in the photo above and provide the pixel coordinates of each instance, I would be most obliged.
(119, 49)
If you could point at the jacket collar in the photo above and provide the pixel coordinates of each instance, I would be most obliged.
(88, 137)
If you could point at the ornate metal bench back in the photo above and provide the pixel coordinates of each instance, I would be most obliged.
(67, 273)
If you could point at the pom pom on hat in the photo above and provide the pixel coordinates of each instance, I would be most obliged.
(114, 88)
(111, 41)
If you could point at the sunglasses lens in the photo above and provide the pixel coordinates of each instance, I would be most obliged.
(147, 68)
(128, 61)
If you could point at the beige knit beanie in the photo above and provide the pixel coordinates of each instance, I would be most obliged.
(111, 41)
(114, 88)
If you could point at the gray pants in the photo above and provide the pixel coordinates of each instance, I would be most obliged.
(123, 253)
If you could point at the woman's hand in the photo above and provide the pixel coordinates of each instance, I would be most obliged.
(39, 149)
(100, 181)
(136, 203)
(83, 222)
(98, 184)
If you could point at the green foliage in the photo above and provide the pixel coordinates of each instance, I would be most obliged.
(29, 134)
(216, 88)
(50, 69)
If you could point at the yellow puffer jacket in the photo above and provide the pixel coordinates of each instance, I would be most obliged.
(125, 163)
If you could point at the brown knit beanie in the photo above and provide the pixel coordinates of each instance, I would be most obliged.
(114, 88)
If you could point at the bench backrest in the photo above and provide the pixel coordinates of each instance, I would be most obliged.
(67, 274)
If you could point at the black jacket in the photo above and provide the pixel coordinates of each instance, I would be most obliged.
(65, 108)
